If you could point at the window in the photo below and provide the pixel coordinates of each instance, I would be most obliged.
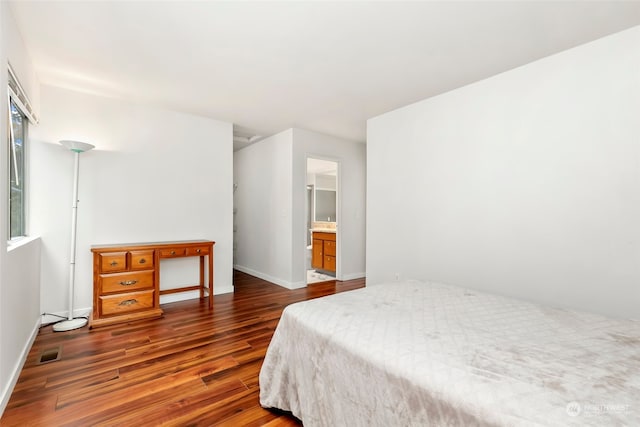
(17, 139)
(20, 114)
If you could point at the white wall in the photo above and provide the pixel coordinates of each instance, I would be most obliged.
(19, 310)
(525, 184)
(155, 175)
(20, 266)
(20, 60)
(263, 174)
(271, 205)
(350, 239)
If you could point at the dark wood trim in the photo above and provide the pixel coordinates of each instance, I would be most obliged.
(182, 289)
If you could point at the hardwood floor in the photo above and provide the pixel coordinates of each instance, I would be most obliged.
(192, 367)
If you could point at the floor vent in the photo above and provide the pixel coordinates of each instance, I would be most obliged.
(50, 355)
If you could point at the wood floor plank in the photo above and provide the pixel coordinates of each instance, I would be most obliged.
(103, 411)
(223, 410)
(181, 404)
(194, 366)
(283, 421)
(148, 382)
(251, 416)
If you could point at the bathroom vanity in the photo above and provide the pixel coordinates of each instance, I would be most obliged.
(323, 252)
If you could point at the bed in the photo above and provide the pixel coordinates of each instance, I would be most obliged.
(415, 354)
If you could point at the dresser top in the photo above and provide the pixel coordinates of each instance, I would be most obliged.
(175, 243)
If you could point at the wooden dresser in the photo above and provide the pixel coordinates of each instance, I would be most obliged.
(126, 278)
(323, 255)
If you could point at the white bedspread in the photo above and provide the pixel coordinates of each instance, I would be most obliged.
(417, 354)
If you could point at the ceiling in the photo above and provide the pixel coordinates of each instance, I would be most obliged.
(323, 66)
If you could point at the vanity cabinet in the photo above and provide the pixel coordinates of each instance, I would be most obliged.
(323, 255)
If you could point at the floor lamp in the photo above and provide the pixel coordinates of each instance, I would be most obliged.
(71, 323)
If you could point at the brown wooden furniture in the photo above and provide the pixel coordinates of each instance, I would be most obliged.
(126, 278)
(323, 255)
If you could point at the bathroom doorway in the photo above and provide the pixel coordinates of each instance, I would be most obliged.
(322, 220)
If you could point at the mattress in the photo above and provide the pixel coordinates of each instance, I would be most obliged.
(415, 354)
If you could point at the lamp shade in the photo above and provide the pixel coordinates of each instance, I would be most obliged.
(76, 146)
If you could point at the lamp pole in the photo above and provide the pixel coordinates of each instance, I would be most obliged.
(76, 147)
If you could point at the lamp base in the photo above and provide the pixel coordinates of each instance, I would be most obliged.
(67, 325)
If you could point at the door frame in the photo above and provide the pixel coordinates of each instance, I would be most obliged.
(338, 163)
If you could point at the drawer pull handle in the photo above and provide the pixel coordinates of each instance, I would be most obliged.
(129, 302)
(142, 261)
(113, 263)
(173, 252)
(198, 250)
(128, 282)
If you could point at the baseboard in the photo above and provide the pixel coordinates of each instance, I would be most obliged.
(268, 278)
(298, 285)
(353, 276)
(290, 285)
(222, 290)
(15, 374)
(182, 296)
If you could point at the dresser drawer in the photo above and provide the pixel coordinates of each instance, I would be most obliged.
(176, 252)
(324, 236)
(125, 282)
(330, 263)
(141, 260)
(113, 261)
(329, 248)
(198, 251)
(126, 303)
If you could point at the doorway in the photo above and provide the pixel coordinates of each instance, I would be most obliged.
(322, 220)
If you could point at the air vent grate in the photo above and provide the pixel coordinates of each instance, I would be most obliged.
(50, 355)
